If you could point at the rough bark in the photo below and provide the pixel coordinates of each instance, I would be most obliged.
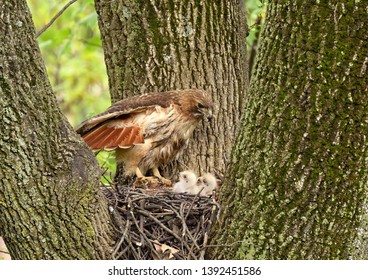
(297, 184)
(161, 45)
(50, 204)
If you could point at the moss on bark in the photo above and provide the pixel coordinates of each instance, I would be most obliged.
(50, 204)
(298, 178)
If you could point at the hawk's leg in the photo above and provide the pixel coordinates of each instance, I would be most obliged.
(156, 173)
(156, 180)
(138, 173)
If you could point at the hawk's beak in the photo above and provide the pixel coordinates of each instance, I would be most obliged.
(209, 115)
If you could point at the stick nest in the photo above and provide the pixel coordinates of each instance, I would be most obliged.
(155, 223)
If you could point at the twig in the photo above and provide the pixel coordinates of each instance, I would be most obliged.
(205, 241)
(141, 222)
(121, 253)
(194, 199)
(121, 240)
(143, 236)
(185, 226)
(43, 29)
(186, 229)
(147, 214)
(177, 220)
(196, 238)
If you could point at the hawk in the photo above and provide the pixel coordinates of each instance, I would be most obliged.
(147, 131)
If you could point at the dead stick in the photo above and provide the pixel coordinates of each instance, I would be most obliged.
(147, 214)
(191, 205)
(43, 29)
(122, 238)
(142, 234)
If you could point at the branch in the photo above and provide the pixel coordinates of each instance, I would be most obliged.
(43, 29)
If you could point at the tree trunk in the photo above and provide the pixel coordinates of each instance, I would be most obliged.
(162, 45)
(50, 204)
(297, 186)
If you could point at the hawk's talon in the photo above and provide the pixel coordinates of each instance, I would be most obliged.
(164, 180)
(150, 181)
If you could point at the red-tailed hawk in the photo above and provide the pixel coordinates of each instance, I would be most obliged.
(147, 131)
(187, 182)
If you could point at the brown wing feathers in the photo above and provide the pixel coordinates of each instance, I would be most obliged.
(110, 137)
(130, 136)
(108, 129)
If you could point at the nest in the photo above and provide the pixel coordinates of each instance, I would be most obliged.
(155, 223)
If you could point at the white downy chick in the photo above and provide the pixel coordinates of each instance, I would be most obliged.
(208, 182)
(187, 180)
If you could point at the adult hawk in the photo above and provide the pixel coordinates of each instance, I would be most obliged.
(147, 131)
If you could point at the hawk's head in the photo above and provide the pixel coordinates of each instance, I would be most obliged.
(197, 103)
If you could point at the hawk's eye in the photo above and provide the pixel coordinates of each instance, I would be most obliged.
(200, 106)
(199, 180)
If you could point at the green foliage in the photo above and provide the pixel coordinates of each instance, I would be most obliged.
(108, 164)
(73, 55)
(255, 9)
